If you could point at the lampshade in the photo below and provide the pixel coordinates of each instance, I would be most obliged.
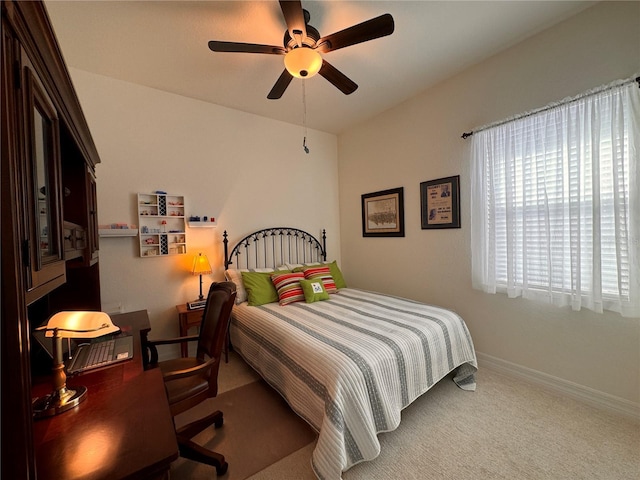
(68, 325)
(80, 325)
(303, 62)
(201, 265)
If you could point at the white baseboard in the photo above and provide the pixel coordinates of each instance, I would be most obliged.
(578, 392)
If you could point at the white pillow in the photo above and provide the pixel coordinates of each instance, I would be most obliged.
(291, 266)
(236, 277)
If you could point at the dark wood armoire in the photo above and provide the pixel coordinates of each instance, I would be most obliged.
(49, 213)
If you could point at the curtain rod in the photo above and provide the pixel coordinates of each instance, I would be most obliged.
(466, 135)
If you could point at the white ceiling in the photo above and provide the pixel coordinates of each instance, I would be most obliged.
(163, 45)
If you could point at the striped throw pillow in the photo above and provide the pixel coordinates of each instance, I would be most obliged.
(288, 287)
(323, 273)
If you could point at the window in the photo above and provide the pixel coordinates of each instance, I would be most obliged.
(556, 206)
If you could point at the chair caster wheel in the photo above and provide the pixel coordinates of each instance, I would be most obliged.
(222, 469)
(218, 423)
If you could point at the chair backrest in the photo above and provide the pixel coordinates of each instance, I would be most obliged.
(215, 323)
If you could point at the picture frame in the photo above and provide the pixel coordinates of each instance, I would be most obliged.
(383, 213)
(440, 203)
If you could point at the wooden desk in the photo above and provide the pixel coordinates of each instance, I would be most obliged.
(123, 429)
(187, 318)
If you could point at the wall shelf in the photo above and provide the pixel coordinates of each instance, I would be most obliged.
(162, 224)
(194, 224)
(118, 232)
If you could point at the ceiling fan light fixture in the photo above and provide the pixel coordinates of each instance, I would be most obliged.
(303, 62)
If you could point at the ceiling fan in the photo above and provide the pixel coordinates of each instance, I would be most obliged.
(303, 46)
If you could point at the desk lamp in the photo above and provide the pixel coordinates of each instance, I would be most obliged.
(69, 325)
(201, 266)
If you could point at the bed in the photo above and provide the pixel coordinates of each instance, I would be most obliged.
(348, 363)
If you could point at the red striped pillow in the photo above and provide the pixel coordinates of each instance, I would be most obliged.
(288, 287)
(323, 273)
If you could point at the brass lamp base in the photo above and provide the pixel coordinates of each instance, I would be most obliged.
(58, 401)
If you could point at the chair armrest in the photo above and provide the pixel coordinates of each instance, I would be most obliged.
(151, 352)
(188, 372)
(169, 341)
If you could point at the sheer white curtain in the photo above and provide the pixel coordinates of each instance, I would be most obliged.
(555, 205)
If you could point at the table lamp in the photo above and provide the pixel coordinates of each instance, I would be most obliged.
(68, 325)
(201, 266)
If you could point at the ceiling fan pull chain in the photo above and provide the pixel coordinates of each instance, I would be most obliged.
(304, 117)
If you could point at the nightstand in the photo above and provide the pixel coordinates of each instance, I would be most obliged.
(187, 318)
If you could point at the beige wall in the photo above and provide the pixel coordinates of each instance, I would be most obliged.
(247, 171)
(420, 140)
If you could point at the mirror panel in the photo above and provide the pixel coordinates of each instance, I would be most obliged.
(41, 147)
(45, 231)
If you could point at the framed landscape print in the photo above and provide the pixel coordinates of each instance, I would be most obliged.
(440, 203)
(383, 213)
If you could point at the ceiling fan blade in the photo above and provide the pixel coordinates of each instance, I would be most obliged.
(245, 48)
(294, 16)
(337, 78)
(375, 28)
(280, 86)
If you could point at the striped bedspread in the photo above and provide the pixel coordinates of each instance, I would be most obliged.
(350, 364)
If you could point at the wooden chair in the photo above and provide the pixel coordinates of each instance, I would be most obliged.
(191, 380)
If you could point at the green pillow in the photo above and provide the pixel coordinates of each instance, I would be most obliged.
(259, 287)
(337, 275)
(314, 290)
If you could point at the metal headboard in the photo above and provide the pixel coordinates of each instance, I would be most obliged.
(272, 247)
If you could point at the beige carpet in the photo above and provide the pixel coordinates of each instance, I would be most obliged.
(507, 429)
(259, 429)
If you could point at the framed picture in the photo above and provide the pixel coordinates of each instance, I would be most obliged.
(383, 213)
(440, 203)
